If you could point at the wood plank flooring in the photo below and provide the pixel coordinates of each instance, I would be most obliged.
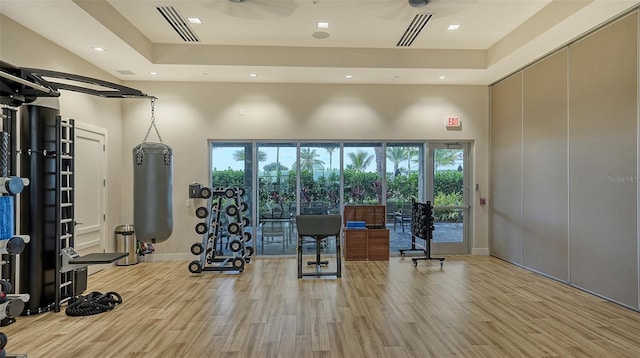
(477, 306)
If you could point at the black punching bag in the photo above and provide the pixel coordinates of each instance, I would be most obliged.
(152, 192)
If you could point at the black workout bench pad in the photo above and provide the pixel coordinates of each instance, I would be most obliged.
(319, 227)
(98, 258)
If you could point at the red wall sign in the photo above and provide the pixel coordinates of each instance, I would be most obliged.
(453, 122)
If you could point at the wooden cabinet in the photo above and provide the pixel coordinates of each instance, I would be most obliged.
(371, 243)
(366, 244)
(378, 244)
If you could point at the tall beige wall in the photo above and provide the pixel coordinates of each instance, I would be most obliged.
(565, 150)
(190, 114)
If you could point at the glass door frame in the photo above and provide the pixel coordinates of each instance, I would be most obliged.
(452, 247)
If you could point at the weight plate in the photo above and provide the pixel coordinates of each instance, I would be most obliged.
(246, 221)
(250, 250)
(201, 228)
(233, 228)
(241, 191)
(205, 193)
(247, 236)
(244, 206)
(202, 212)
(197, 249)
(235, 245)
(238, 262)
(229, 193)
(195, 267)
(232, 210)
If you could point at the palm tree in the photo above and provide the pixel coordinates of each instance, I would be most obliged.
(308, 159)
(445, 157)
(330, 151)
(273, 166)
(379, 159)
(360, 160)
(412, 152)
(396, 155)
(239, 155)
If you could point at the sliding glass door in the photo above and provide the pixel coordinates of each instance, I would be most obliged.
(232, 166)
(449, 194)
(320, 178)
(405, 184)
(276, 204)
(288, 178)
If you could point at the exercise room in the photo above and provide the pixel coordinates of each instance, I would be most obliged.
(339, 178)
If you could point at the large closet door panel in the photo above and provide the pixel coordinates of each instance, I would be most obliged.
(545, 197)
(506, 170)
(603, 161)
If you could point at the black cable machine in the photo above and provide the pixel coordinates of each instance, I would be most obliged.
(49, 267)
(422, 227)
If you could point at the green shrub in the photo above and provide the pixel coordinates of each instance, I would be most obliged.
(447, 181)
(452, 199)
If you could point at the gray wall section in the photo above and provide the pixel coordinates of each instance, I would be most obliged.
(506, 169)
(545, 198)
(573, 117)
(603, 161)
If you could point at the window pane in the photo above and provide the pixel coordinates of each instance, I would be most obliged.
(276, 198)
(448, 184)
(363, 165)
(405, 178)
(231, 165)
(319, 178)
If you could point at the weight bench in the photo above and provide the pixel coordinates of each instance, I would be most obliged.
(319, 227)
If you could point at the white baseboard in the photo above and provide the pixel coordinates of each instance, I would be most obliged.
(155, 257)
(481, 251)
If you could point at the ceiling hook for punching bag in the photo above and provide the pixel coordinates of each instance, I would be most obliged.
(153, 123)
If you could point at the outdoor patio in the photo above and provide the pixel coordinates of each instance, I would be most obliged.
(444, 232)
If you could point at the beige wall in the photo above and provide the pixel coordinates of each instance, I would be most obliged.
(565, 149)
(24, 48)
(190, 114)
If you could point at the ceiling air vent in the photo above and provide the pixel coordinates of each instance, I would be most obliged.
(125, 72)
(175, 19)
(410, 34)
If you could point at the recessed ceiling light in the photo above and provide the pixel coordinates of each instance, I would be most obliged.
(453, 27)
(253, 75)
(154, 73)
(442, 77)
(323, 25)
(348, 76)
(194, 20)
(99, 49)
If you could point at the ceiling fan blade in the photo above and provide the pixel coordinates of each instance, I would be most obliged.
(254, 9)
(402, 10)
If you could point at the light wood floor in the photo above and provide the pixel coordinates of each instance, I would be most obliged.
(477, 306)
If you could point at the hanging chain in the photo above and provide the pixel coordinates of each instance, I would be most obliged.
(139, 152)
(153, 122)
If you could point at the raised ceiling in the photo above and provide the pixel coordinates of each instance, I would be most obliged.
(279, 41)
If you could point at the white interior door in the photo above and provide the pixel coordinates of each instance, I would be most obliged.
(90, 187)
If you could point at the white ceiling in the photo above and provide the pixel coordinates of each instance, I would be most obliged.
(275, 38)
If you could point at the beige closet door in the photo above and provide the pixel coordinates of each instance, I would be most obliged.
(90, 188)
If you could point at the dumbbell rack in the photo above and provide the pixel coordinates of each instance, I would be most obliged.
(422, 227)
(211, 228)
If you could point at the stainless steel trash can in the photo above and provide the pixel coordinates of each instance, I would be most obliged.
(126, 242)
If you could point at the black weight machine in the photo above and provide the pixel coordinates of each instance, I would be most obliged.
(319, 228)
(422, 227)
